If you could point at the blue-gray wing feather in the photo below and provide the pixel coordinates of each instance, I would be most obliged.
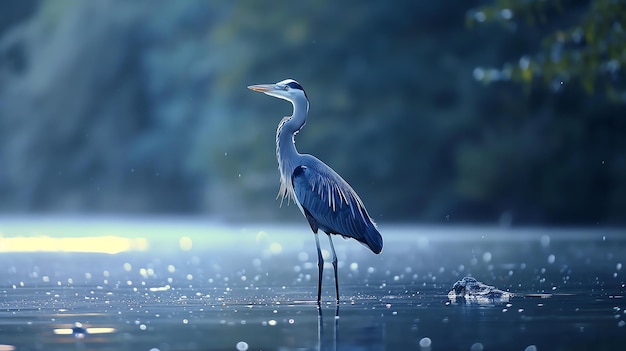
(330, 204)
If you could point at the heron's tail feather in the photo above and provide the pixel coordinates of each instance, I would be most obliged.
(373, 239)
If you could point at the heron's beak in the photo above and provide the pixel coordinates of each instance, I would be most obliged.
(263, 88)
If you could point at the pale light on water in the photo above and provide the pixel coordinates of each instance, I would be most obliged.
(90, 331)
(185, 243)
(99, 244)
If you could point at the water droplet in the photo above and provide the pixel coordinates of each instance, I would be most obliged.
(551, 259)
(487, 256)
(425, 342)
(524, 62)
(325, 255)
(477, 347)
(478, 73)
(242, 346)
(480, 17)
(507, 15)
(303, 256)
(276, 248)
(185, 243)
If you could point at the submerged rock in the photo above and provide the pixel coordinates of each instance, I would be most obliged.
(476, 292)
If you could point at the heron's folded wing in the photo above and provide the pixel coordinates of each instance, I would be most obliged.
(334, 205)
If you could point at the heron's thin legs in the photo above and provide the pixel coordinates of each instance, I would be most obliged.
(332, 247)
(320, 266)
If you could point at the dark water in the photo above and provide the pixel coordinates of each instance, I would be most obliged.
(204, 287)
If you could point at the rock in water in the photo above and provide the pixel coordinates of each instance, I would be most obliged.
(474, 291)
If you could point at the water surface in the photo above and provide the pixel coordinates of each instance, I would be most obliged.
(195, 285)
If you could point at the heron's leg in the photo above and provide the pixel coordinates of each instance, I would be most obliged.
(332, 247)
(320, 267)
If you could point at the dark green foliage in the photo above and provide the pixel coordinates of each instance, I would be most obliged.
(582, 42)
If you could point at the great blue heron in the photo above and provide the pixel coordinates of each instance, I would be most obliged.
(324, 198)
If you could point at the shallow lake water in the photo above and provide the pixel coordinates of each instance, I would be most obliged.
(159, 285)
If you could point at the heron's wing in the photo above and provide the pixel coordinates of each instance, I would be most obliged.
(330, 204)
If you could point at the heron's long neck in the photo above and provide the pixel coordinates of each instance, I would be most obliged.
(287, 129)
(286, 152)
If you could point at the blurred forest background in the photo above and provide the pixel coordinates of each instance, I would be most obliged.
(435, 111)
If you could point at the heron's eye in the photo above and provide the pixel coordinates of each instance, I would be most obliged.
(286, 88)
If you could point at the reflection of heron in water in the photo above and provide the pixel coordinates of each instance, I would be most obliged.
(325, 199)
(364, 334)
(321, 339)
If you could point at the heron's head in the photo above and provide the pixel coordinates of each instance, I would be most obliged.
(287, 89)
